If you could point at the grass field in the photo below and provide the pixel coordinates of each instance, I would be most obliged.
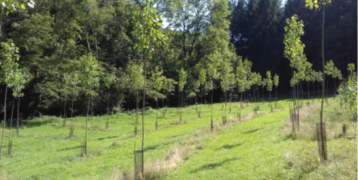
(257, 147)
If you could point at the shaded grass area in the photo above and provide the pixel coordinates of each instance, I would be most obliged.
(44, 149)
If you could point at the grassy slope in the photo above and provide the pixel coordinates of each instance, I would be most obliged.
(44, 150)
(251, 150)
(258, 149)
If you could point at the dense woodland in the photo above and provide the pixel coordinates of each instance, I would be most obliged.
(206, 43)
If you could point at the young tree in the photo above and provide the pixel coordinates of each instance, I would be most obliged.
(351, 68)
(157, 82)
(247, 67)
(294, 52)
(254, 80)
(308, 76)
(181, 84)
(74, 82)
(18, 80)
(329, 70)
(348, 90)
(313, 79)
(269, 83)
(66, 78)
(258, 82)
(202, 80)
(89, 80)
(109, 79)
(147, 34)
(321, 4)
(168, 88)
(199, 85)
(263, 84)
(136, 76)
(195, 85)
(275, 82)
(319, 79)
(241, 78)
(8, 64)
(227, 78)
(336, 74)
(212, 71)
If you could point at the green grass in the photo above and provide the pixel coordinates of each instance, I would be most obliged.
(254, 149)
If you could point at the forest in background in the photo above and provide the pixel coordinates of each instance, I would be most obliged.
(54, 36)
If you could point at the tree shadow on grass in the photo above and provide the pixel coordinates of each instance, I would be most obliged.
(212, 165)
(229, 146)
(152, 147)
(30, 124)
(109, 137)
(69, 148)
(251, 131)
(148, 148)
(175, 136)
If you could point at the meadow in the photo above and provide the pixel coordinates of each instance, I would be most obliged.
(255, 146)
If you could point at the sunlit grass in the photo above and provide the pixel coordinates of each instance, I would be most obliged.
(254, 148)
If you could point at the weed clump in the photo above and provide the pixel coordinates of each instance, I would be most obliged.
(338, 123)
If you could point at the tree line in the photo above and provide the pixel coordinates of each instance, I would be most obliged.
(93, 56)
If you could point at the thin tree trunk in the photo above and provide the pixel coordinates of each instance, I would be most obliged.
(323, 63)
(136, 115)
(258, 93)
(276, 98)
(326, 89)
(263, 93)
(18, 116)
(143, 118)
(3, 130)
(202, 92)
(71, 107)
(180, 105)
(156, 119)
(64, 113)
(270, 96)
(294, 107)
(92, 112)
(109, 96)
(255, 96)
(211, 122)
(10, 140)
(225, 105)
(308, 90)
(298, 113)
(178, 98)
(88, 103)
(313, 92)
(225, 98)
